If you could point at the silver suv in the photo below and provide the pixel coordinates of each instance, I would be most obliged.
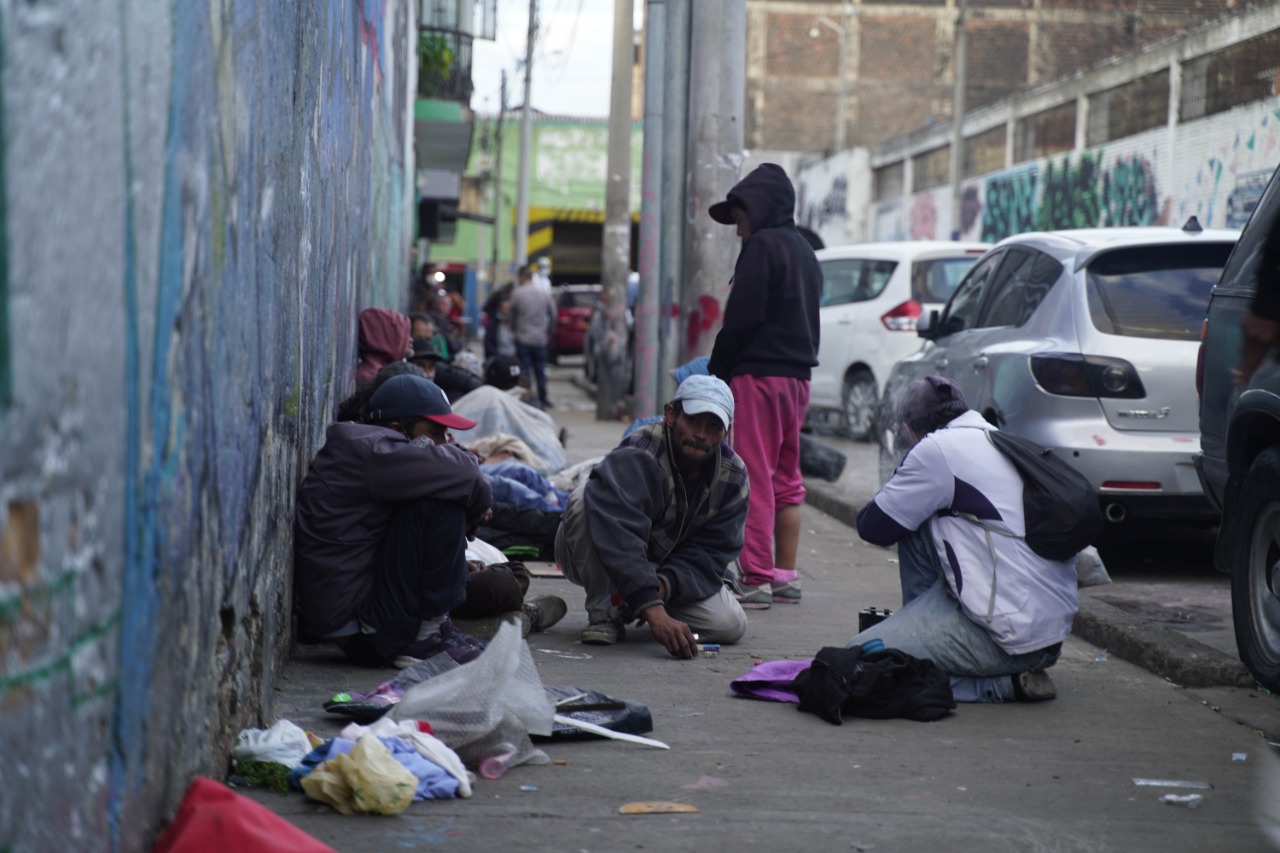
(1239, 463)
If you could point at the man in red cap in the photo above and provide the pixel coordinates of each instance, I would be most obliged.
(380, 532)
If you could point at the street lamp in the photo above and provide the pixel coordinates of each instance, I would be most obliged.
(815, 30)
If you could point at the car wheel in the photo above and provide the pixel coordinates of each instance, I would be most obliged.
(1255, 575)
(860, 405)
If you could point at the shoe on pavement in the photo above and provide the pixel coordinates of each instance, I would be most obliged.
(786, 593)
(544, 611)
(463, 648)
(755, 597)
(1034, 686)
(604, 633)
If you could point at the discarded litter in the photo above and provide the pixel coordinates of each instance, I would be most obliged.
(657, 808)
(528, 789)
(1172, 783)
(498, 760)
(1191, 801)
(566, 655)
(559, 762)
(340, 697)
(1102, 655)
(709, 650)
(1239, 756)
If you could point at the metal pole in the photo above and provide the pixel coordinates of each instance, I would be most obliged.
(615, 260)
(957, 117)
(497, 182)
(842, 91)
(644, 401)
(675, 128)
(526, 143)
(716, 106)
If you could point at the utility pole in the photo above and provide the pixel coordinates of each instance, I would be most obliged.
(675, 130)
(526, 143)
(616, 250)
(497, 182)
(644, 401)
(716, 106)
(959, 72)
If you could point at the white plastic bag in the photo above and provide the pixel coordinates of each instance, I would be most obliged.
(1089, 568)
(496, 697)
(283, 743)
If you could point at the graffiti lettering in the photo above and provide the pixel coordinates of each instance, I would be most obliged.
(1129, 192)
(1011, 205)
(1070, 195)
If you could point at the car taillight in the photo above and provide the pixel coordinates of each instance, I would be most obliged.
(1074, 375)
(902, 318)
(1204, 330)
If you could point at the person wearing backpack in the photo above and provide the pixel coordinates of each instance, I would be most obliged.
(978, 600)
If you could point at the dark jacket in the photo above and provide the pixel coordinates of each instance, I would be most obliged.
(771, 316)
(646, 521)
(346, 501)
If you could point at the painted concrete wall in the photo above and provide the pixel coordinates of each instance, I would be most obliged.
(1213, 168)
(198, 198)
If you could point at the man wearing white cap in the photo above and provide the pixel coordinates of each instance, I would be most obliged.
(653, 530)
(381, 526)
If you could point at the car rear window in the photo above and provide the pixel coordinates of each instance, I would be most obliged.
(935, 279)
(854, 280)
(579, 298)
(1154, 291)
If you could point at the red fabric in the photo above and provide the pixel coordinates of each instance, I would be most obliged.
(214, 819)
(384, 338)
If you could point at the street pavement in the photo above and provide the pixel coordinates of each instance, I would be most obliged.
(1054, 776)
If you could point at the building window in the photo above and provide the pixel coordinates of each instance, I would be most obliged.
(931, 169)
(985, 152)
(890, 181)
(1046, 133)
(1243, 73)
(1129, 109)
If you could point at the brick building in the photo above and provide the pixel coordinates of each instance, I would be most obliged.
(898, 74)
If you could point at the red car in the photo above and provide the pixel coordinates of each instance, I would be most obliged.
(574, 304)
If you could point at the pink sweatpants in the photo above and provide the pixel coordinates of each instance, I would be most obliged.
(767, 416)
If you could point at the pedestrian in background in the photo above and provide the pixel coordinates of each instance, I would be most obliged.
(498, 339)
(533, 318)
(765, 351)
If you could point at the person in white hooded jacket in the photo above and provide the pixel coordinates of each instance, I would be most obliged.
(977, 601)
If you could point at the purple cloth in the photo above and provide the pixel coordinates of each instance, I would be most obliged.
(770, 680)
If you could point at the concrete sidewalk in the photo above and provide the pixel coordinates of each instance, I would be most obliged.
(1057, 775)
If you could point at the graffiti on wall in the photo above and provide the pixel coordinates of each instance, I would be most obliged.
(1216, 169)
(1011, 204)
(272, 212)
(924, 218)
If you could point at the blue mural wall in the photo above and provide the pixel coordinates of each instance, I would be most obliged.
(198, 198)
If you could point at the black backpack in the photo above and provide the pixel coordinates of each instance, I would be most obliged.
(1059, 505)
(876, 685)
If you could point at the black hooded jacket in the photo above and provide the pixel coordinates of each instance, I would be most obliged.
(771, 316)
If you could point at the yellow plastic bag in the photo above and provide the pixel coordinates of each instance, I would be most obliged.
(366, 780)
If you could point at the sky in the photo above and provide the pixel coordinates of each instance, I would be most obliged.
(572, 62)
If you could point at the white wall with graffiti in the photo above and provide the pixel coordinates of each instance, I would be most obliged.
(833, 196)
(1214, 169)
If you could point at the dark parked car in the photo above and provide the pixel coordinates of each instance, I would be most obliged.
(1239, 463)
(574, 304)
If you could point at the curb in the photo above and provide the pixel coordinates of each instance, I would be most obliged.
(1153, 647)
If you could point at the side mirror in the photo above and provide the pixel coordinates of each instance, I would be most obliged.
(927, 325)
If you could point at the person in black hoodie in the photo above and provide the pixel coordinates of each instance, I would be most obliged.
(765, 351)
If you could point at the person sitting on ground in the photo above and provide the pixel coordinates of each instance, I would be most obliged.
(384, 338)
(453, 380)
(658, 522)
(954, 508)
(382, 522)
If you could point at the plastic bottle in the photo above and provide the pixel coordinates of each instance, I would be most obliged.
(498, 760)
